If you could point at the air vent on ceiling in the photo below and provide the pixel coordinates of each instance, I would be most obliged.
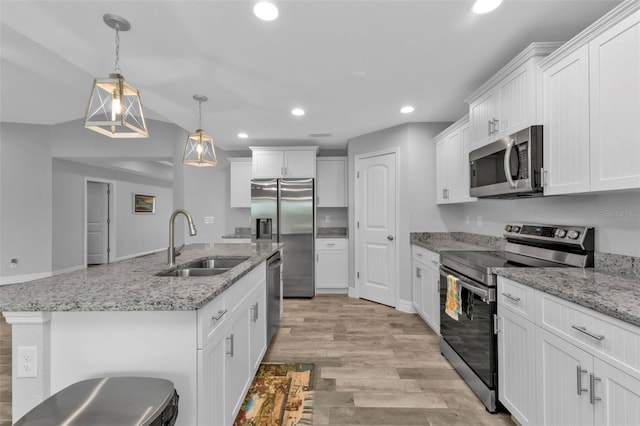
(319, 135)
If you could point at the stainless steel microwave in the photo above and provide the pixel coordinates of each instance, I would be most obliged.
(509, 167)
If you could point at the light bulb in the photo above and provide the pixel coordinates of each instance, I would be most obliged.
(116, 107)
(199, 148)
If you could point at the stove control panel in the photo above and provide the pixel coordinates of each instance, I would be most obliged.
(560, 233)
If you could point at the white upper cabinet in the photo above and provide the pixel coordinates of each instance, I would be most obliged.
(614, 72)
(240, 182)
(510, 100)
(452, 163)
(331, 182)
(284, 162)
(592, 107)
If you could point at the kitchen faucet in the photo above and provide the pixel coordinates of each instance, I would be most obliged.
(172, 221)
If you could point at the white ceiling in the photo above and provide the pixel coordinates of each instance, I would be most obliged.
(350, 64)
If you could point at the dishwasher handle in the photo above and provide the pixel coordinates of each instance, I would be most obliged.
(274, 261)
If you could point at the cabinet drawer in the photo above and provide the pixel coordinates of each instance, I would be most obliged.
(517, 297)
(424, 255)
(211, 318)
(331, 244)
(612, 340)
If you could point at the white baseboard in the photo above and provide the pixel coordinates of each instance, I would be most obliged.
(352, 292)
(406, 306)
(64, 271)
(23, 278)
(331, 290)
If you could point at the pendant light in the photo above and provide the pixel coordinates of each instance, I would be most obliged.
(115, 109)
(199, 150)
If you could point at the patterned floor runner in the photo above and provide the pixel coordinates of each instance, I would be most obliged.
(280, 395)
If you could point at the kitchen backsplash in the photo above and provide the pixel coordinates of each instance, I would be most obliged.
(617, 264)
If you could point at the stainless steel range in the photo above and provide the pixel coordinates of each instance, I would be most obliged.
(470, 342)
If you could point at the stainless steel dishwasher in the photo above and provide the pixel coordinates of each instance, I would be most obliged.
(273, 295)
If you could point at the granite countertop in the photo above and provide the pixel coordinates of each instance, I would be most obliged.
(332, 233)
(439, 242)
(605, 293)
(132, 285)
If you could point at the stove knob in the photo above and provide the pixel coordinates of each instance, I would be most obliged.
(573, 235)
(515, 228)
(507, 228)
(561, 233)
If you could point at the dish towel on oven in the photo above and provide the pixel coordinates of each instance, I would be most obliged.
(453, 305)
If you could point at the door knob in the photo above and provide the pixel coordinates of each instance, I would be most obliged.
(390, 237)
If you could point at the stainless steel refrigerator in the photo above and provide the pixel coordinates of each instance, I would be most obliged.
(282, 210)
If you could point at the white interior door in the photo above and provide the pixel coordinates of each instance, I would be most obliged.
(97, 223)
(377, 247)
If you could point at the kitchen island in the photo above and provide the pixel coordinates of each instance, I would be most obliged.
(205, 334)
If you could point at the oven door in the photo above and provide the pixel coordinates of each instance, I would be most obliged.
(472, 336)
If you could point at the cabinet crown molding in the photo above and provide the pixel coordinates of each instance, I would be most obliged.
(459, 123)
(284, 148)
(615, 15)
(534, 50)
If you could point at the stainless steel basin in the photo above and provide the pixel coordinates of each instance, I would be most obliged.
(215, 263)
(194, 272)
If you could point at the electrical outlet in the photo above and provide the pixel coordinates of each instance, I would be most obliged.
(27, 361)
(209, 219)
(13, 262)
(479, 220)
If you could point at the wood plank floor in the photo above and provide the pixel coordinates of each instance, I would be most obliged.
(374, 366)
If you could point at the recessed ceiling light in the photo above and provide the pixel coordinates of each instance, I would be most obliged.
(407, 109)
(265, 10)
(297, 112)
(484, 6)
(243, 135)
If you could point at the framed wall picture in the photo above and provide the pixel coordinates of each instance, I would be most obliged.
(144, 203)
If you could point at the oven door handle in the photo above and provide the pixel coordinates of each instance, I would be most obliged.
(484, 294)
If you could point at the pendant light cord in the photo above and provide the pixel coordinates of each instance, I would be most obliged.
(200, 114)
(117, 66)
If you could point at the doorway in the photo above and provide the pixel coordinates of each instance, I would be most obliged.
(98, 207)
(376, 206)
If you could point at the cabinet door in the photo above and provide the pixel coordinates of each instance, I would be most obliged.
(268, 164)
(516, 373)
(331, 182)
(300, 164)
(464, 182)
(237, 369)
(257, 326)
(416, 281)
(441, 171)
(431, 295)
(240, 184)
(614, 59)
(211, 382)
(517, 101)
(619, 394)
(557, 365)
(566, 125)
(331, 271)
(482, 114)
(448, 168)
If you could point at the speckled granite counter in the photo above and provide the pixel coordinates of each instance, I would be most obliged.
(132, 285)
(444, 241)
(332, 233)
(608, 294)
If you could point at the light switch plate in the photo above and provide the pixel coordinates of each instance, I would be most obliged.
(209, 219)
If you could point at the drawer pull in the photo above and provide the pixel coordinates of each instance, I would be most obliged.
(579, 372)
(219, 316)
(419, 254)
(254, 312)
(510, 297)
(331, 245)
(587, 332)
(230, 339)
(592, 385)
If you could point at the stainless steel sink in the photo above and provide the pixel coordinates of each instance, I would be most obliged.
(216, 263)
(194, 272)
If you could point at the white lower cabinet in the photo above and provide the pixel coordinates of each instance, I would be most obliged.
(563, 364)
(425, 266)
(332, 266)
(234, 332)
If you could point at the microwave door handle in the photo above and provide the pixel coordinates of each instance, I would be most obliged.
(507, 163)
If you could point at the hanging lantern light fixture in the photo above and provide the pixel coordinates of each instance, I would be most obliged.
(199, 150)
(114, 108)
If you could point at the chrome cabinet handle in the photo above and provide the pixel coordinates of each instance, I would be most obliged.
(419, 254)
(254, 312)
(218, 317)
(579, 372)
(418, 273)
(592, 388)
(390, 237)
(495, 125)
(510, 297)
(587, 332)
(489, 131)
(330, 245)
(230, 340)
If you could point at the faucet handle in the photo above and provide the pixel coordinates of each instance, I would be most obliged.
(178, 250)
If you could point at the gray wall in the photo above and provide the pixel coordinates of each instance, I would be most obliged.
(25, 200)
(416, 198)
